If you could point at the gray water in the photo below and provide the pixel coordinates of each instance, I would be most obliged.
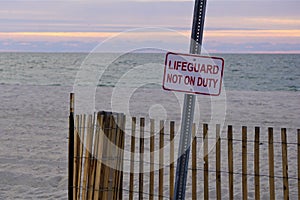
(246, 72)
(261, 90)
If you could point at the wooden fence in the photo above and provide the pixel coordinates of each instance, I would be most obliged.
(242, 164)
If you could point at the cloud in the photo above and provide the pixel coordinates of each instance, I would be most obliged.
(53, 16)
(215, 40)
(58, 25)
(94, 15)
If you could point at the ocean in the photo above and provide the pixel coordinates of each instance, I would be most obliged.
(258, 90)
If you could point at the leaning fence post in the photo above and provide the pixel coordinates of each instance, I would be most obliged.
(71, 147)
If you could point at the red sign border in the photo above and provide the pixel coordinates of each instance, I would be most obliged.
(193, 55)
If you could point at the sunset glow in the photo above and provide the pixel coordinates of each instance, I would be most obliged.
(230, 26)
(94, 35)
(254, 33)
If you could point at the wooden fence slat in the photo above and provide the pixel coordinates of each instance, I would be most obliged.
(122, 156)
(116, 147)
(161, 160)
(71, 158)
(112, 157)
(98, 153)
(141, 168)
(76, 160)
(284, 164)
(244, 163)
(87, 149)
(194, 163)
(298, 152)
(171, 181)
(271, 164)
(119, 153)
(218, 162)
(205, 158)
(230, 162)
(108, 191)
(81, 139)
(256, 163)
(78, 156)
(107, 154)
(151, 181)
(92, 159)
(133, 126)
(104, 153)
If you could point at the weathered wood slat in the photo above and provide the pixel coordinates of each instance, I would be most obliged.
(98, 154)
(298, 152)
(87, 153)
(230, 162)
(271, 164)
(152, 138)
(218, 162)
(171, 181)
(256, 163)
(205, 158)
(133, 127)
(141, 168)
(284, 164)
(194, 163)
(244, 163)
(161, 160)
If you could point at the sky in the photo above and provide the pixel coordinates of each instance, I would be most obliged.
(231, 26)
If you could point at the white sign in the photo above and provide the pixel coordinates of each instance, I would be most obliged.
(193, 74)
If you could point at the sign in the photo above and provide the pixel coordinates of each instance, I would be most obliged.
(193, 74)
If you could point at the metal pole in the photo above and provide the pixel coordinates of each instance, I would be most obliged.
(71, 147)
(189, 106)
